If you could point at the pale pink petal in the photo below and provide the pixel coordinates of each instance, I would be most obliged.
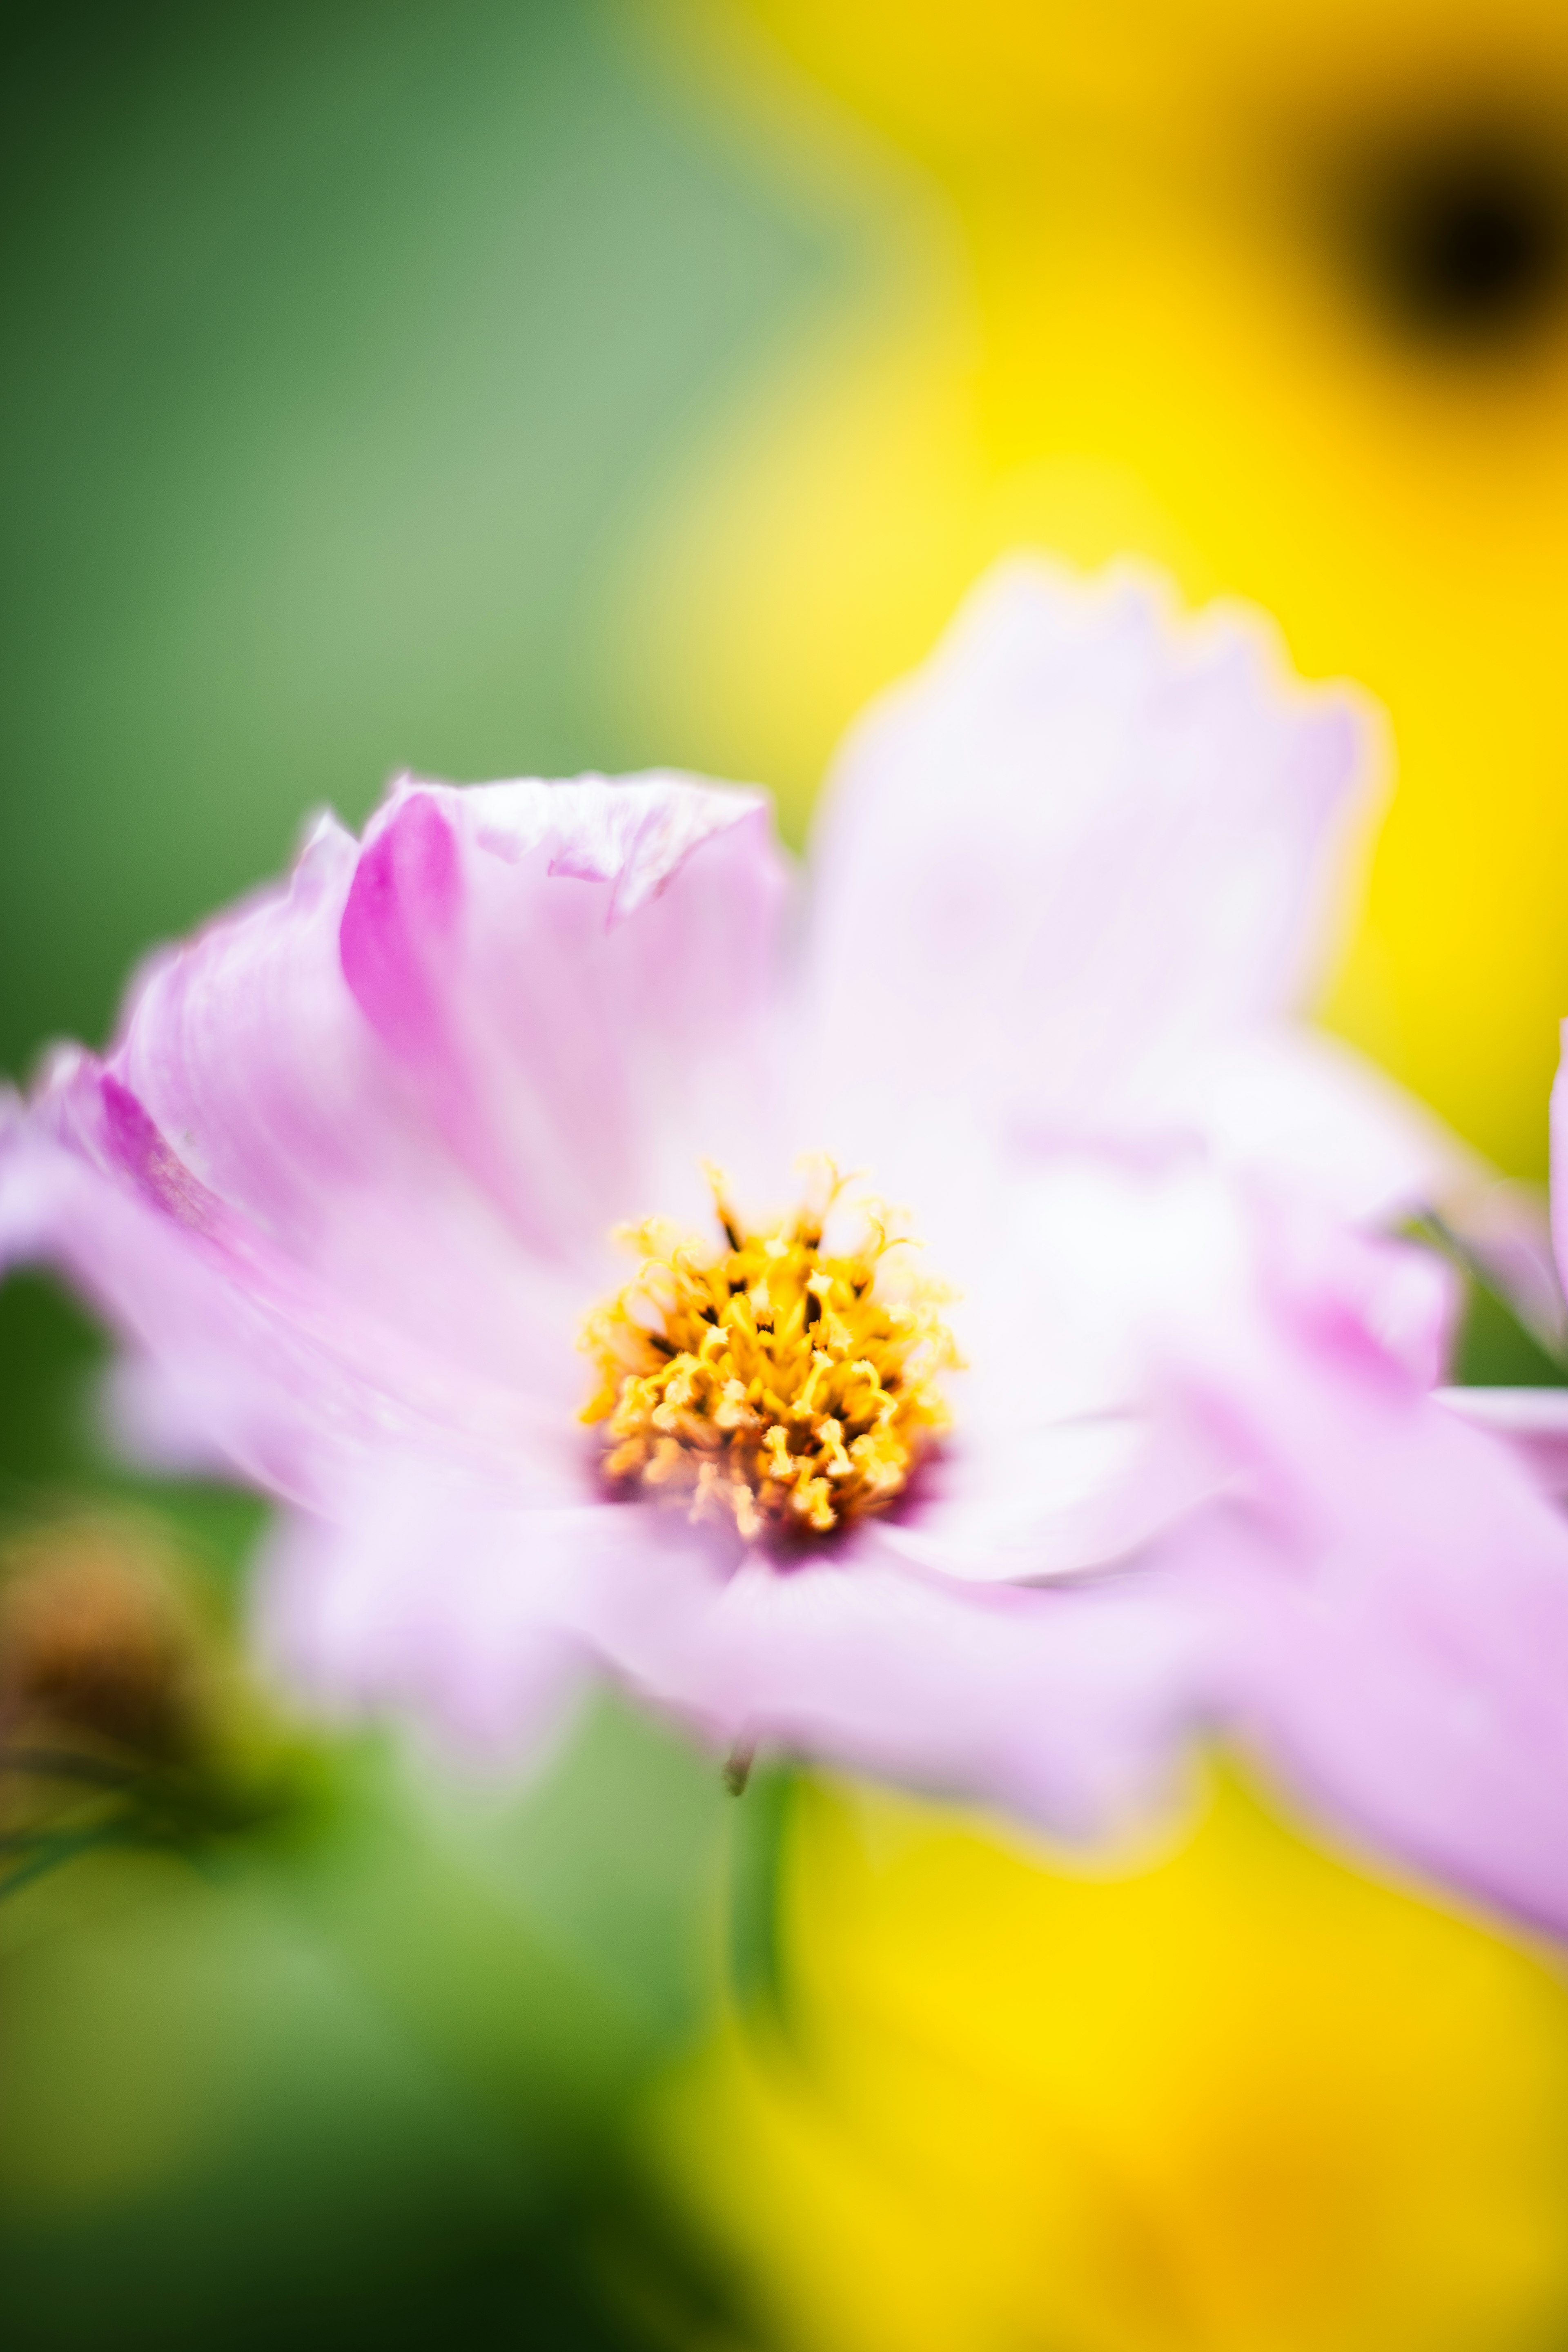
(1395, 1612)
(1533, 1423)
(348, 1177)
(484, 1023)
(583, 983)
(1087, 846)
(427, 1605)
(1295, 1105)
(1069, 1705)
(1346, 1298)
(1095, 1292)
(1077, 1286)
(237, 1355)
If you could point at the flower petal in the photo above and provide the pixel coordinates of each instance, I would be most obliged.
(1292, 1104)
(503, 999)
(424, 1604)
(1066, 1705)
(1078, 1292)
(571, 1042)
(1532, 1423)
(350, 1174)
(1084, 845)
(1395, 1618)
(1069, 1704)
(237, 1354)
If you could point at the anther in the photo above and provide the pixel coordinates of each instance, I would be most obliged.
(771, 1382)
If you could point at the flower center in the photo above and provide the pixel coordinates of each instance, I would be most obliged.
(771, 1380)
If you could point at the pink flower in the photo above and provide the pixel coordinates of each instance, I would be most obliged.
(348, 1183)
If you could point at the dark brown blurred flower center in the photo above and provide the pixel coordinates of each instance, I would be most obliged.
(92, 1646)
(1460, 234)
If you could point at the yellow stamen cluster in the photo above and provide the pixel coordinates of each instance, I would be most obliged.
(768, 1380)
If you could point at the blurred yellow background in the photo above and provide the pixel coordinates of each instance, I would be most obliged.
(1238, 2100)
(1276, 296)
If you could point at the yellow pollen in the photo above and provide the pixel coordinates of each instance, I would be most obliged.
(768, 1380)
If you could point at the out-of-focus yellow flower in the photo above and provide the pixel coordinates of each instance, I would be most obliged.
(1240, 2101)
(1278, 295)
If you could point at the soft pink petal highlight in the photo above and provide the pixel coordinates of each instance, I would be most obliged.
(1084, 848)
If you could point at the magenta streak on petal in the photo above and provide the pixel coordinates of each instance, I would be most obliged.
(158, 1172)
(406, 892)
(396, 943)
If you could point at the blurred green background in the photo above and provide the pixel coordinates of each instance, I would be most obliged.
(340, 338)
(304, 2037)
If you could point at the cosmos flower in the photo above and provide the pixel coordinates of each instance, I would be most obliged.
(456, 1195)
